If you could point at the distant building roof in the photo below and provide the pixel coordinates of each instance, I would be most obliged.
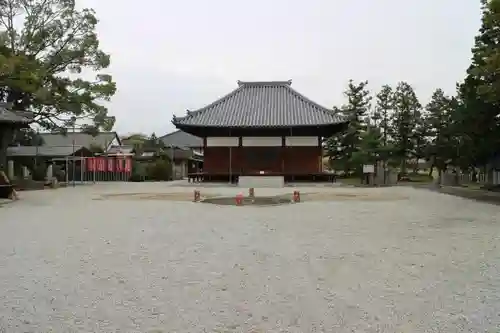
(181, 154)
(42, 151)
(181, 139)
(13, 117)
(261, 104)
(103, 139)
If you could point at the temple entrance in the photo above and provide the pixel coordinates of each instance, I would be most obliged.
(257, 159)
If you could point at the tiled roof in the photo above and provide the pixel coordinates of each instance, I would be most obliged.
(181, 139)
(42, 151)
(8, 116)
(261, 104)
(102, 139)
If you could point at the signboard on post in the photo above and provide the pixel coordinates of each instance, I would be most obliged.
(368, 168)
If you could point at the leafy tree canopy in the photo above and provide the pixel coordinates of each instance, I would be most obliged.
(45, 45)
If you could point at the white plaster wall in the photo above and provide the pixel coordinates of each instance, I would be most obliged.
(301, 141)
(222, 141)
(265, 141)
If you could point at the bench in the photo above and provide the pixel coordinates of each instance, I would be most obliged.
(6, 191)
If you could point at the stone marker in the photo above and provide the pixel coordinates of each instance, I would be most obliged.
(10, 169)
(25, 172)
(49, 175)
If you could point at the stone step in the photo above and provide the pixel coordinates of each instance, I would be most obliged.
(261, 181)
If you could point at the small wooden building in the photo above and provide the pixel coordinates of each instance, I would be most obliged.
(262, 129)
(187, 151)
(10, 122)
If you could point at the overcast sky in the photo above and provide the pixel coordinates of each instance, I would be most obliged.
(168, 56)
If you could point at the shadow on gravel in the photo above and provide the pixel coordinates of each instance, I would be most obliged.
(467, 193)
(249, 201)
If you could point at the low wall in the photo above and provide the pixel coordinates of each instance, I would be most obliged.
(28, 184)
(481, 195)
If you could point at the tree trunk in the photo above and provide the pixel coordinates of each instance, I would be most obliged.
(5, 139)
(416, 168)
(440, 177)
(431, 170)
(489, 175)
(403, 166)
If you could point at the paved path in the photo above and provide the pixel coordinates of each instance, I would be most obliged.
(69, 263)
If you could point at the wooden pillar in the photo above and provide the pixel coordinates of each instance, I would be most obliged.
(320, 149)
(230, 163)
(6, 136)
(282, 153)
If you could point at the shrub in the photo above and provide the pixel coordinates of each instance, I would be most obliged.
(159, 170)
(58, 173)
(39, 172)
(138, 172)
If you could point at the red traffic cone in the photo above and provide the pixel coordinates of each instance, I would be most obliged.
(239, 199)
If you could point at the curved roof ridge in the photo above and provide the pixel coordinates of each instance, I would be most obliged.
(264, 83)
(218, 101)
(261, 103)
(313, 103)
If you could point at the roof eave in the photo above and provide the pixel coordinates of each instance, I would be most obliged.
(181, 125)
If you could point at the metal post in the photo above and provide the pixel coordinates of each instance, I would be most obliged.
(231, 163)
(230, 166)
(172, 150)
(106, 173)
(36, 149)
(67, 179)
(81, 168)
(73, 156)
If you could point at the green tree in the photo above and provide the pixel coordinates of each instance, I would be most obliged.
(486, 53)
(420, 140)
(407, 110)
(153, 142)
(441, 145)
(27, 137)
(383, 111)
(473, 124)
(370, 148)
(342, 147)
(476, 120)
(96, 148)
(44, 46)
(382, 115)
(137, 141)
(160, 169)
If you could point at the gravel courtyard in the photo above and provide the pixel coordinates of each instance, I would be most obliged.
(72, 260)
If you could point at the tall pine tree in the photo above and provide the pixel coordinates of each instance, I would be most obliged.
(341, 148)
(407, 111)
(476, 120)
(382, 115)
(441, 144)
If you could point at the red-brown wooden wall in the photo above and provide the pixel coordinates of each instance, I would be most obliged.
(299, 160)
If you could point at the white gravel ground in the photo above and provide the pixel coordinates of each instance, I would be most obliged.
(72, 264)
